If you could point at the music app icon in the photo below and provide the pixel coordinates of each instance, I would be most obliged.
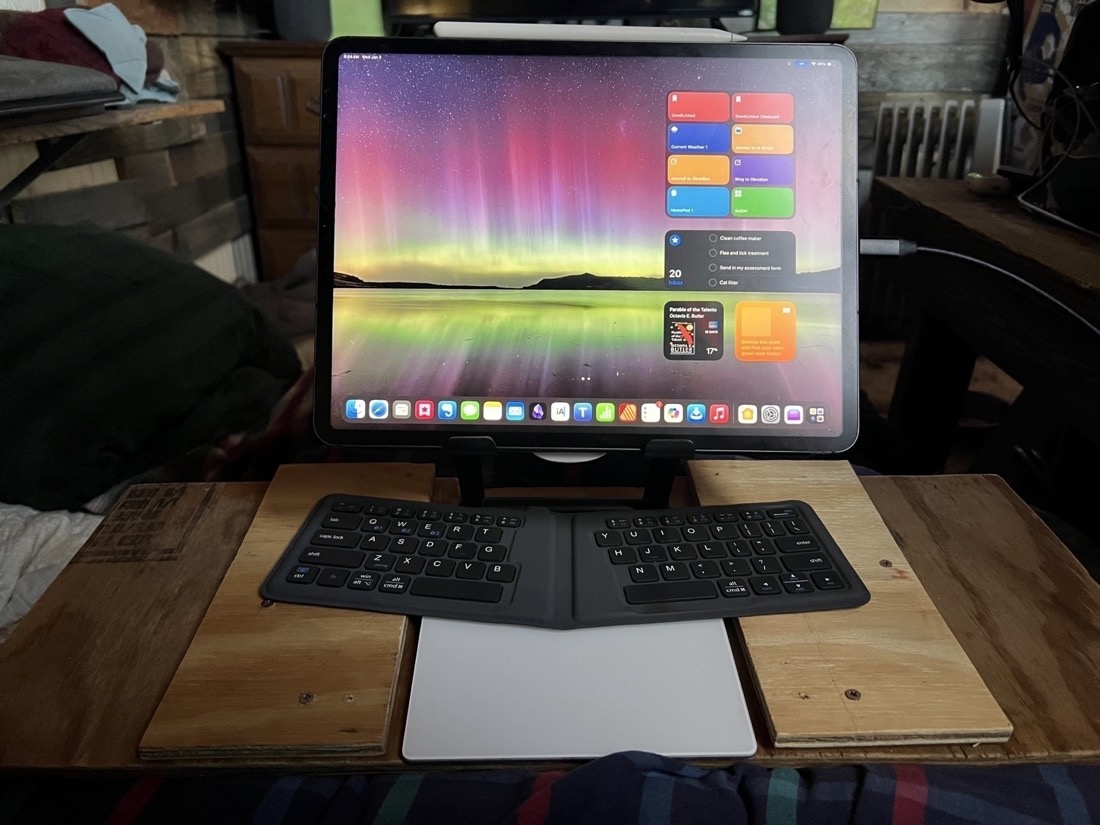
(719, 413)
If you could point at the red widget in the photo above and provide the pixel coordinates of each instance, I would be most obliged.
(424, 410)
(760, 107)
(719, 413)
(701, 107)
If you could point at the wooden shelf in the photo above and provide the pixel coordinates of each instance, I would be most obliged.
(136, 115)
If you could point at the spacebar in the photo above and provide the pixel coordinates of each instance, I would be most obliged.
(456, 589)
(669, 592)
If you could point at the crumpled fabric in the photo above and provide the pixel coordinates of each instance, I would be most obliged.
(124, 46)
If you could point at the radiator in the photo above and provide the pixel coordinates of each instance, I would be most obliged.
(925, 138)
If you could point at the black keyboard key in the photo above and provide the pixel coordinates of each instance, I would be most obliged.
(489, 535)
(332, 577)
(618, 523)
(733, 588)
(364, 581)
(665, 535)
(501, 572)
(336, 521)
(782, 512)
(404, 544)
(750, 530)
(644, 573)
(403, 512)
(765, 586)
(712, 549)
(403, 527)
(395, 583)
(470, 570)
(433, 547)
(737, 567)
(794, 544)
(470, 591)
(509, 521)
(674, 571)
(725, 516)
(335, 538)
(462, 550)
(429, 515)
(724, 531)
(652, 553)
(705, 570)
(828, 581)
(332, 557)
(693, 533)
(460, 532)
(682, 552)
(753, 514)
(674, 521)
(669, 592)
(374, 524)
(440, 567)
(762, 547)
(482, 519)
(740, 547)
(409, 564)
(346, 506)
(638, 536)
(375, 541)
(645, 521)
(797, 526)
(608, 538)
(799, 562)
(456, 517)
(773, 528)
(303, 575)
(698, 518)
(378, 561)
(798, 587)
(492, 552)
(766, 565)
(622, 555)
(431, 530)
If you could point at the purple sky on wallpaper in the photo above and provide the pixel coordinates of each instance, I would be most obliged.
(505, 170)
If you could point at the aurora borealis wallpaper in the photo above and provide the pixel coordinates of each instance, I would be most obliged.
(500, 231)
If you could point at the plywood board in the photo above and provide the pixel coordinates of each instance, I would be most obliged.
(277, 680)
(82, 674)
(890, 672)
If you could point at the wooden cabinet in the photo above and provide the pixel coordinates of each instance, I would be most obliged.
(277, 85)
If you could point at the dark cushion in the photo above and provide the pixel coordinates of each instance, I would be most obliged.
(116, 358)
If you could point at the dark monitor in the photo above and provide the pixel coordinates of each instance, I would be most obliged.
(588, 246)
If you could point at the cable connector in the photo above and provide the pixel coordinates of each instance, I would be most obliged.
(887, 247)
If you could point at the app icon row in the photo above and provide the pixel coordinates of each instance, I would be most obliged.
(606, 412)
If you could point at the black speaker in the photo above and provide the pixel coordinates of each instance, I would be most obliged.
(803, 16)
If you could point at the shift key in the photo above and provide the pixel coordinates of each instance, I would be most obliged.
(799, 562)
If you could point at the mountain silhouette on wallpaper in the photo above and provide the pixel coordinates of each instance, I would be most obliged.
(571, 282)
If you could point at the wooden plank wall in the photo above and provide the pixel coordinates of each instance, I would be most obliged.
(177, 185)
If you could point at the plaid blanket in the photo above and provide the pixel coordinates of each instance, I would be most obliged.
(631, 787)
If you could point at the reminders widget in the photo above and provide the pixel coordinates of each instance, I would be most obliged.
(703, 259)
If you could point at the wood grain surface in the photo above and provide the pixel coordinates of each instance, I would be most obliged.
(282, 680)
(890, 672)
(82, 674)
(109, 120)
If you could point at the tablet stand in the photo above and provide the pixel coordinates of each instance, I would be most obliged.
(474, 456)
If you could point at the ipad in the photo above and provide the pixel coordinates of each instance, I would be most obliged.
(567, 246)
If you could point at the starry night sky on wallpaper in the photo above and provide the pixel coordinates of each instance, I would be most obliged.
(503, 170)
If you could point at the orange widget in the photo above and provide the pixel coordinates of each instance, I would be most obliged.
(765, 331)
(714, 169)
(754, 107)
(702, 107)
(751, 139)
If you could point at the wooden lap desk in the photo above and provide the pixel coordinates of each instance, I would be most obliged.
(87, 669)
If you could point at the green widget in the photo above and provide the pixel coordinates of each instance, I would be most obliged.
(762, 202)
(605, 412)
(469, 410)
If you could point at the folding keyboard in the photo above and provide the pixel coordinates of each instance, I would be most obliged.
(533, 566)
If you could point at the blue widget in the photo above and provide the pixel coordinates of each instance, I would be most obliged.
(515, 410)
(698, 202)
(696, 413)
(711, 138)
(447, 410)
(582, 411)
